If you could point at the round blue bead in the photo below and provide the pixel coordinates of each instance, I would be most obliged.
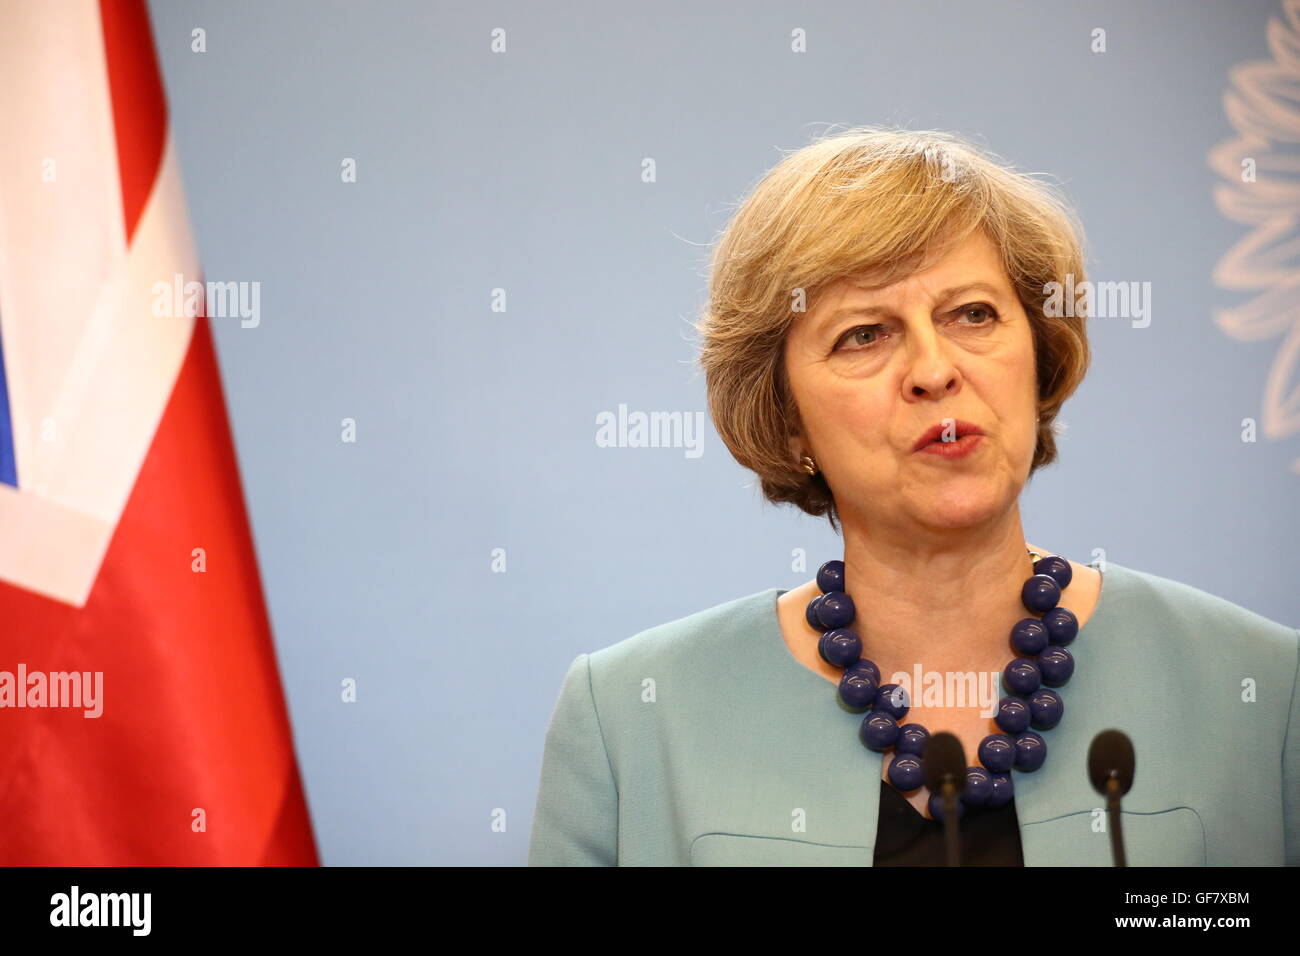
(821, 646)
(979, 787)
(843, 647)
(857, 689)
(879, 731)
(997, 752)
(867, 667)
(911, 739)
(1003, 791)
(1029, 636)
(1057, 665)
(1040, 593)
(1022, 677)
(905, 772)
(811, 612)
(1031, 751)
(1045, 708)
(1057, 568)
(835, 610)
(830, 577)
(936, 807)
(1013, 715)
(893, 700)
(1061, 625)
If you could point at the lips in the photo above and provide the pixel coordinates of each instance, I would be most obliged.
(935, 433)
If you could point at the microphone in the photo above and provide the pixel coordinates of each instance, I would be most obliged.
(944, 765)
(1110, 768)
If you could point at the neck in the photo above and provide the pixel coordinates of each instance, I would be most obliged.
(945, 600)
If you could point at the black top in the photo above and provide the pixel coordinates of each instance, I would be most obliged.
(906, 838)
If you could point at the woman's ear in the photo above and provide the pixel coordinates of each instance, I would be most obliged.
(797, 447)
(802, 455)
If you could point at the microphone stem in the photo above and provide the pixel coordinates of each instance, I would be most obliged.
(1116, 838)
(950, 832)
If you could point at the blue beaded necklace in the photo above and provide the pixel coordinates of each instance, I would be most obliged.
(1043, 663)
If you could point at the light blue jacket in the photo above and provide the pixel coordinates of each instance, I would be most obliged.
(704, 742)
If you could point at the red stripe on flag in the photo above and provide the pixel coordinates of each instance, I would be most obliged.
(193, 711)
(139, 104)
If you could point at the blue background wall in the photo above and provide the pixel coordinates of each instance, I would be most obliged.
(476, 428)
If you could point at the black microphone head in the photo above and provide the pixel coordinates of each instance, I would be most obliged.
(1111, 755)
(943, 757)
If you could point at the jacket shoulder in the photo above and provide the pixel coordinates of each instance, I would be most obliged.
(1196, 611)
(694, 643)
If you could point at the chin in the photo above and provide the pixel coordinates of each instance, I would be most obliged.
(963, 508)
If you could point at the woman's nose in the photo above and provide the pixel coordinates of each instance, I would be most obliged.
(931, 372)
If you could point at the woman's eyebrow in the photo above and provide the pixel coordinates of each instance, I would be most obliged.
(869, 310)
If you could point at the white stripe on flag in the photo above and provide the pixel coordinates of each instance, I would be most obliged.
(90, 368)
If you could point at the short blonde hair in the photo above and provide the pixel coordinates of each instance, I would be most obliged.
(880, 201)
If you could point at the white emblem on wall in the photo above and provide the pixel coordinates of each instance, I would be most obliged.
(1261, 169)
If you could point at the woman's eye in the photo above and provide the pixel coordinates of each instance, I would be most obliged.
(989, 313)
(855, 339)
(865, 337)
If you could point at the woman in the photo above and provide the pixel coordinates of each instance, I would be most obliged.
(881, 349)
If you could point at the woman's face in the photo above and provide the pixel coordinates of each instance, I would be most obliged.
(871, 371)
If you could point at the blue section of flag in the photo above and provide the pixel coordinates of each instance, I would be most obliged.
(8, 465)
